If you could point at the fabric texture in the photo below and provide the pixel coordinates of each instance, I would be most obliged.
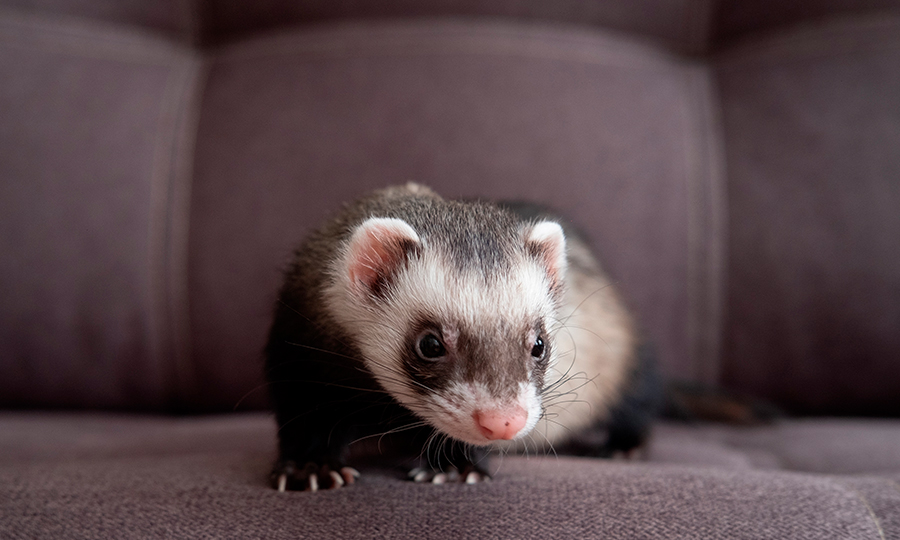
(174, 19)
(677, 24)
(87, 476)
(810, 122)
(90, 119)
(736, 20)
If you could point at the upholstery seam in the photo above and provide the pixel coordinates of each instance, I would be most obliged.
(865, 502)
(486, 40)
(81, 38)
(706, 228)
(812, 42)
(164, 177)
(192, 74)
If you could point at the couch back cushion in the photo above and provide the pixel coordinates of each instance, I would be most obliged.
(812, 131)
(89, 120)
(605, 130)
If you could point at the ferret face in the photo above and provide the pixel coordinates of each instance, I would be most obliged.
(464, 349)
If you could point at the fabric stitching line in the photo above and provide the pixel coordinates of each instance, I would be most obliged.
(477, 43)
(697, 220)
(868, 506)
(194, 77)
(706, 315)
(807, 44)
(90, 41)
(476, 49)
(696, 214)
(167, 123)
(843, 32)
(765, 59)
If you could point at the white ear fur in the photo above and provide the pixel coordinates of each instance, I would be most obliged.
(377, 248)
(547, 241)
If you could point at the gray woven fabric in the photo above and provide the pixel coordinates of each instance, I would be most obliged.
(97, 476)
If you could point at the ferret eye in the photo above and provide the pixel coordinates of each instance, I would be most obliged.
(537, 350)
(430, 347)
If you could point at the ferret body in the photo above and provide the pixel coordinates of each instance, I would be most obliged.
(458, 325)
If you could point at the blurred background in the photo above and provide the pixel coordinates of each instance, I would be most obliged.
(735, 162)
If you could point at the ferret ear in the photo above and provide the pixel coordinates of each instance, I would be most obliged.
(378, 247)
(546, 241)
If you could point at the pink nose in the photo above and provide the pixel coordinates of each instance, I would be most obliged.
(501, 425)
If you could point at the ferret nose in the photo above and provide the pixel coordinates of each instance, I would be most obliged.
(501, 425)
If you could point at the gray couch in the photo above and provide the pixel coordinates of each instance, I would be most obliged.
(736, 162)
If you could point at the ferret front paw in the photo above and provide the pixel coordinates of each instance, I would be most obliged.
(287, 476)
(469, 475)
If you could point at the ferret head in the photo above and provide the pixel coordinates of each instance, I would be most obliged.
(453, 315)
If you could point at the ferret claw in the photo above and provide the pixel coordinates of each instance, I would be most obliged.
(424, 475)
(336, 479)
(440, 478)
(475, 477)
(312, 477)
(349, 474)
(420, 475)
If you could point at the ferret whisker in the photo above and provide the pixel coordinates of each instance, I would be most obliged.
(378, 391)
(586, 298)
(383, 434)
(572, 377)
(566, 403)
(340, 355)
(564, 378)
(572, 350)
(433, 449)
(291, 420)
(550, 445)
(425, 454)
(503, 452)
(587, 380)
(249, 392)
(323, 351)
(318, 349)
(595, 334)
(556, 390)
(563, 426)
(556, 396)
(569, 401)
(337, 385)
(445, 449)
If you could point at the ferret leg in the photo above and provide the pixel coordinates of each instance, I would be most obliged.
(311, 458)
(452, 461)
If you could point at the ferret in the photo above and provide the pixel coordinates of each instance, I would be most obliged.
(460, 326)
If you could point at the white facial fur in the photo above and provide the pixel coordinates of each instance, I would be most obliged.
(462, 303)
